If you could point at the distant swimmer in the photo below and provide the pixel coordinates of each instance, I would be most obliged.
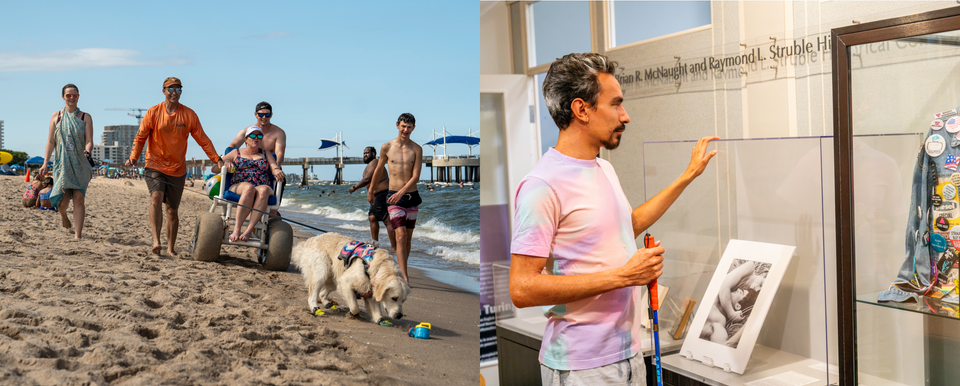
(274, 139)
(164, 131)
(403, 158)
(70, 141)
(378, 209)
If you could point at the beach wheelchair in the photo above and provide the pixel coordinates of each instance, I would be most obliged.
(272, 237)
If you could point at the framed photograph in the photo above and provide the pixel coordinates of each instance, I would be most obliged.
(731, 313)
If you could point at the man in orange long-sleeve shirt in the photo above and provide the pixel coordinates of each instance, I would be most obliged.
(167, 126)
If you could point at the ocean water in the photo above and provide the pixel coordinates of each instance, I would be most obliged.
(446, 241)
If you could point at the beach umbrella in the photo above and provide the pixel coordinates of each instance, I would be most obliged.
(34, 161)
(106, 160)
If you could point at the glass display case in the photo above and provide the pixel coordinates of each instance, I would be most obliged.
(766, 190)
(896, 94)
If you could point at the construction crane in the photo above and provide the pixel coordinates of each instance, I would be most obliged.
(138, 115)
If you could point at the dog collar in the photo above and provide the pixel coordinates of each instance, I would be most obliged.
(368, 293)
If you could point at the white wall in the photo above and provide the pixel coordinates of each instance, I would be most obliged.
(494, 38)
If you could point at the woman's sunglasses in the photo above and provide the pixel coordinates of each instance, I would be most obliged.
(255, 136)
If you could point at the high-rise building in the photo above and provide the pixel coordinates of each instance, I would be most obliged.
(1, 135)
(117, 142)
(113, 152)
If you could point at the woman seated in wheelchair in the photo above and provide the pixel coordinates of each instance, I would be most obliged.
(250, 166)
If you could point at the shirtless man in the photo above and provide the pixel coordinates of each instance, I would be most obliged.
(274, 138)
(403, 157)
(378, 210)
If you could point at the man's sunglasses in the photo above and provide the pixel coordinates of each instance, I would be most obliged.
(177, 90)
(262, 115)
(255, 136)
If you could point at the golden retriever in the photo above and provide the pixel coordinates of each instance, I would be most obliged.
(323, 272)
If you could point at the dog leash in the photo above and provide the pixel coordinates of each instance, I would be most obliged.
(244, 206)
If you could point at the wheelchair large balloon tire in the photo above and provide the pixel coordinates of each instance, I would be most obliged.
(207, 237)
(280, 244)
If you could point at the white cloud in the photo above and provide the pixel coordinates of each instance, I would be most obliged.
(272, 35)
(85, 58)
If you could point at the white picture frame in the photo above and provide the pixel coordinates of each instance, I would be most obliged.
(725, 330)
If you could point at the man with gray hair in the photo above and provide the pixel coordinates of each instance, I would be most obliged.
(574, 236)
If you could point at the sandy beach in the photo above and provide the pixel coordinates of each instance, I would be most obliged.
(104, 310)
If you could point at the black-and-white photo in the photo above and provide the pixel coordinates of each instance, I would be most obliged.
(734, 302)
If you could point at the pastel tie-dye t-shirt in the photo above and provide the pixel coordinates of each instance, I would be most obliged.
(573, 213)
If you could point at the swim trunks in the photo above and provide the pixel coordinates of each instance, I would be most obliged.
(379, 208)
(404, 212)
(172, 187)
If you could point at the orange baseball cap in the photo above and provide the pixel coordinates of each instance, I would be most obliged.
(172, 81)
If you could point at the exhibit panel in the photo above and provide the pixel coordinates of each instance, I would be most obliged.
(768, 191)
(897, 97)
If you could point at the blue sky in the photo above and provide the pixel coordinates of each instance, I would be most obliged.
(325, 67)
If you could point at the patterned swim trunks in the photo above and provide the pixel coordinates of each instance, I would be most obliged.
(404, 212)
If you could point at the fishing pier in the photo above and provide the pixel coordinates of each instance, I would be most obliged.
(464, 168)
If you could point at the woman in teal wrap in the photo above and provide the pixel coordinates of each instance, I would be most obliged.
(71, 141)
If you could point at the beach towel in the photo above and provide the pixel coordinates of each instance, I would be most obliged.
(70, 167)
